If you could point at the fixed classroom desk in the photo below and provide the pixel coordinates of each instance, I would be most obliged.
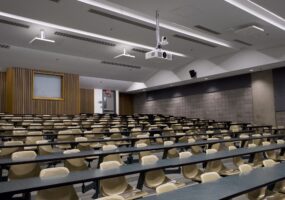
(33, 184)
(227, 187)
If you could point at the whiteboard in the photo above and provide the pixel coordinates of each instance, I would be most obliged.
(47, 86)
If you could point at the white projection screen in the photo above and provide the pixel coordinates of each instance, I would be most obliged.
(47, 86)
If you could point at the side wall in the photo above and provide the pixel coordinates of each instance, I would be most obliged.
(258, 98)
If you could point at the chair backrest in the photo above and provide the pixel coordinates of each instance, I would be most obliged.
(112, 186)
(22, 171)
(44, 149)
(210, 177)
(158, 140)
(156, 177)
(143, 153)
(256, 141)
(167, 187)
(245, 169)
(62, 136)
(185, 154)
(56, 172)
(7, 152)
(280, 141)
(63, 192)
(33, 139)
(255, 194)
(216, 146)
(215, 165)
(74, 164)
(111, 157)
(269, 163)
(82, 145)
(237, 161)
(195, 149)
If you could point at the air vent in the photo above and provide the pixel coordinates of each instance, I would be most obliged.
(84, 39)
(121, 65)
(56, 1)
(4, 46)
(139, 50)
(193, 40)
(243, 42)
(121, 19)
(203, 28)
(3, 21)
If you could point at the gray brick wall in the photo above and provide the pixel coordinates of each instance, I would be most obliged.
(280, 118)
(234, 105)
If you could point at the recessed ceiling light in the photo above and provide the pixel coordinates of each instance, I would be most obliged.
(172, 27)
(80, 32)
(251, 70)
(206, 78)
(259, 12)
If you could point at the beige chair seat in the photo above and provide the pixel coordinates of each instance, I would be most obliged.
(229, 172)
(62, 193)
(118, 185)
(22, 171)
(190, 171)
(96, 145)
(155, 178)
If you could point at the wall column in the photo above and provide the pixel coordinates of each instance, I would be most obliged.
(263, 98)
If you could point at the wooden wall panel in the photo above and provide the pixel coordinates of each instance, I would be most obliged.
(86, 101)
(126, 104)
(20, 95)
(2, 91)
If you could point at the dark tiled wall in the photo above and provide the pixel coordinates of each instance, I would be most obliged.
(279, 89)
(280, 118)
(224, 99)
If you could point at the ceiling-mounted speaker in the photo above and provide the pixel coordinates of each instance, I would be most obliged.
(193, 73)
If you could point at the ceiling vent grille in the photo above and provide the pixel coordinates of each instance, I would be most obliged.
(203, 28)
(242, 42)
(84, 39)
(194, 41)
(139, 50)
(3, 21)
(4, 46)
(121, 65)
(121, 19)
(56, 1)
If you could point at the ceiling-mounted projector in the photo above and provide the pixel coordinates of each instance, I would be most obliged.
(158, 52)
(42, 38)
(125, 54)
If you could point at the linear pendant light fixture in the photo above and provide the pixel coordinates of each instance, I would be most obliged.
(81, 32)
(152, 21)
(42, 37)
(259, 11)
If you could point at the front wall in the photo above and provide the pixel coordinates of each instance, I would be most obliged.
(22, 102)
(2, 91)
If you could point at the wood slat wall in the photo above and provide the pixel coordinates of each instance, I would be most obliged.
(86, 101)
(20, 94)
(126, 104)
(2, 91)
